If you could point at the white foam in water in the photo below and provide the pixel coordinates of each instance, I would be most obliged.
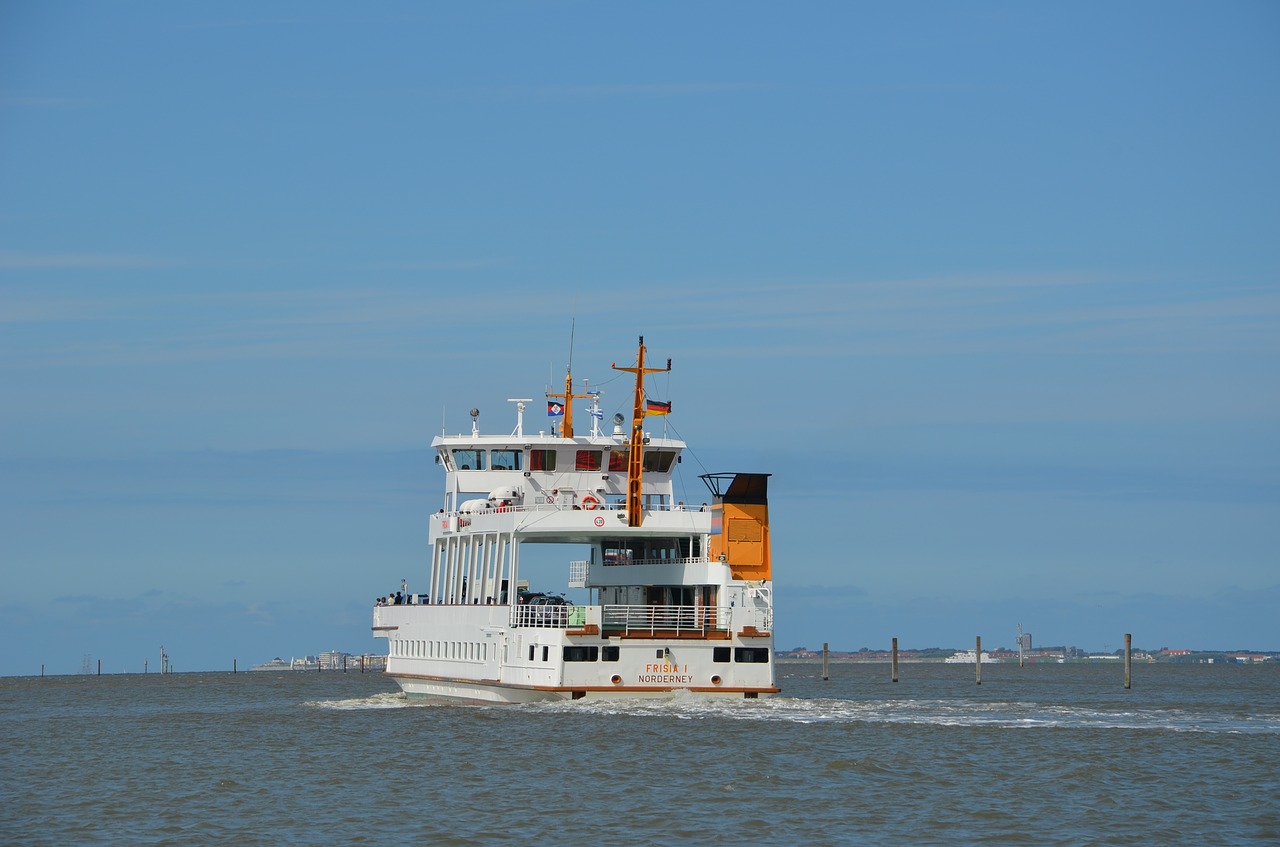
(1016, 714)
(382, 700)
(1013, 714)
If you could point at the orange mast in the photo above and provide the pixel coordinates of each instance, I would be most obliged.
(635, 466)
(566, 429)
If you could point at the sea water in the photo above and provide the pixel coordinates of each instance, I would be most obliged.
(1042, 755)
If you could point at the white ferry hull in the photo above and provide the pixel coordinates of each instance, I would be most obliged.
(482, 693)
(477, 654)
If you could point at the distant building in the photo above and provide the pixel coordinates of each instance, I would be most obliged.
(334, 660)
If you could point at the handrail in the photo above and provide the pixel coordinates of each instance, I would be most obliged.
(684, 560)
(562, 507)
(548, 617)
(643, 619)
(678, 619)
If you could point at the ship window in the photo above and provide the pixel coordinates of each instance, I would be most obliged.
(581, 654)
(719, 654)
(531, 649)
(658, 461)
(546, 652)
(618, 460)
(542, 460)
(751, 655)
(587, 460)
(505, 460)
(469, 460)
(610, 653)
(617, 553)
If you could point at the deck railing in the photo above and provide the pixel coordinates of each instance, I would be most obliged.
(636, 620)
(548, 617)
(562, 506)
(679, 619)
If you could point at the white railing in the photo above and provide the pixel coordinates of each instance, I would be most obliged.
(538, 504)
(633, 620)
(548, 617)
(684, 560)
(578, 574)
(678, 619)
(761, 618)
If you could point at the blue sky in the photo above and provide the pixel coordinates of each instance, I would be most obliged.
(991, 289)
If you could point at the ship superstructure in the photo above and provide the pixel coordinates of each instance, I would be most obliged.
(680, 595)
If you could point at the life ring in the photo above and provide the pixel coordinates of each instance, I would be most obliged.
(590, 502)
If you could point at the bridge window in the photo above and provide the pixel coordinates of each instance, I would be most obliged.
(618, 460)
(505, 460)
(542, 460)
(469, 460)
(658, 461)
(587, 460)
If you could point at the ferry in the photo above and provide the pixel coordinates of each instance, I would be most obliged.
(679, 596)
(969, 657)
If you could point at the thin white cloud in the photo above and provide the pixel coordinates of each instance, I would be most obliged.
(1032, 314)
(89, 261)
(43, 102)
(428, 265)
(1037, 313)
(243, 23)
(601, 90)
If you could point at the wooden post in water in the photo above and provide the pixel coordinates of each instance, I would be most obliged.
(977, 659)
(894, 662)
(825, 675)
(42, 670)
(344, 662)
(234, 669)
(362, 663)
(99, 667)
(1128, 650)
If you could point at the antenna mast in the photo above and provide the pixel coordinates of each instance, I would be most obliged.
(566, 428)
(635, 467)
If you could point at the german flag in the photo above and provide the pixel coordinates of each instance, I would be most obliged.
(656, 407)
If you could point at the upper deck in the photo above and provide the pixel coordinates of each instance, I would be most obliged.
(549, 472)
